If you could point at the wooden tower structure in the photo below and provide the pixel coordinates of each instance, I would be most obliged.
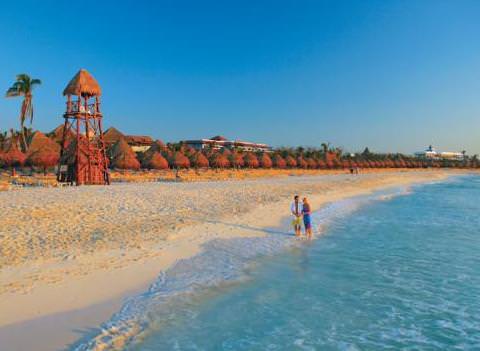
(83, 157)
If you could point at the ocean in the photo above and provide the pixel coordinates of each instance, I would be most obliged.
(398, 269)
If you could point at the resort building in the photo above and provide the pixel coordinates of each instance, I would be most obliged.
(432, 154)
(220, 142)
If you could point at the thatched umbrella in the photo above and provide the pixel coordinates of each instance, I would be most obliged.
(311, 163)
(236, 160)
(179, 160)
(155, 161)
(42, 151)
(226, 152)
(266, 161)
(198, 160)
(13, 157)
(251, 160)
(279, 162)
(301, 163)
(44, 158)
(321, 164)
(291, 162)
(157, 147)
(218, 160)
(123, 156)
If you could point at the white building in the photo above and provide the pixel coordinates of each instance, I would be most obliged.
(432, 154)
(220, 142)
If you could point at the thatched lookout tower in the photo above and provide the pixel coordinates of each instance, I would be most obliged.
(83, 160)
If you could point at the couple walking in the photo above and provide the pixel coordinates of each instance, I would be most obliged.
(301, 210)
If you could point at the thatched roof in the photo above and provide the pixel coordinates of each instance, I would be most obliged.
(139, 140)
(40, 141)
(157, 146)
(57, 134)
(157, 161)
(13, 156)
(179, 160)
(112, 135)
(291, 162)
(199, 160)
(236, 159)
(219, 161)
(266, 161)
(251, 160)
(83, 84)
(42, 151)
(279, 161)
(123, 156)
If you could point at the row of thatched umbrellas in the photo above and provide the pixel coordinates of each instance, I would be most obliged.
(160, 156)
(43, 152)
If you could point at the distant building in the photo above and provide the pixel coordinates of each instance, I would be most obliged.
(139, 143)
(432, 154)
(219, 142)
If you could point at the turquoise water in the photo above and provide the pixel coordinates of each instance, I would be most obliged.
(402, 273)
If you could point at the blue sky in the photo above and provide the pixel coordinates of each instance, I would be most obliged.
(391, 75)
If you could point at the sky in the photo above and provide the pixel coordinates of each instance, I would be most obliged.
(395, 76)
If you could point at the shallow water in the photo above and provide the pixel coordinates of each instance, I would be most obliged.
(396, 274)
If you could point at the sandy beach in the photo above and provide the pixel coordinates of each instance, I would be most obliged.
(69, 257)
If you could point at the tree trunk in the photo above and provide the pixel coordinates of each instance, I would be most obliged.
(23, 140)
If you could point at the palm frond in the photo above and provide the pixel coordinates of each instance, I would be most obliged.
(23, 77)
(35, 82)
(12, 92)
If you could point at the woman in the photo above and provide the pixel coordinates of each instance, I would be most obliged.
(307, 220)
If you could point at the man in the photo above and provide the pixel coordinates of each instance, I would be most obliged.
(296, 210)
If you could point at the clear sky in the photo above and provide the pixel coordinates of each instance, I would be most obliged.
(391, 75)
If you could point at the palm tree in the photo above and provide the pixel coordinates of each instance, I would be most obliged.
(23, 86)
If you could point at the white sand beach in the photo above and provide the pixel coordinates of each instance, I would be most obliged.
(69, 257)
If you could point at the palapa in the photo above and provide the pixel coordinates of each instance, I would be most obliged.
(42, 151)
(266, 161)
(13, 156)
(156, 161)
(123, 156)
(279, 162)
(83, 84)
(199, 160)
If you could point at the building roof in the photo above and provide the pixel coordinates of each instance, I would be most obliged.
(83, 84)
(219, 138)
(139, 139)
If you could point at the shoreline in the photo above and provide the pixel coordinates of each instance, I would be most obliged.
(114, 284)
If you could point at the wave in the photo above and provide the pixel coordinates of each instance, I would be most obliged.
(221, 261)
